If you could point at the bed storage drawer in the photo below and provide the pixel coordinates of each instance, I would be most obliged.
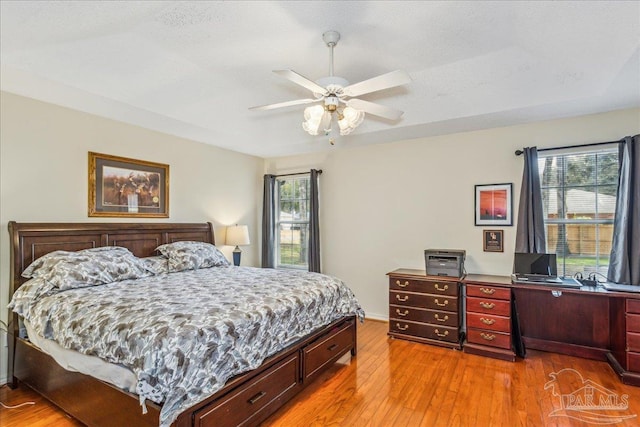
(326, 350)
(250, 405)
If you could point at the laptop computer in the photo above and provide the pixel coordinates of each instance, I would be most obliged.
(539, 269)
(535, 267)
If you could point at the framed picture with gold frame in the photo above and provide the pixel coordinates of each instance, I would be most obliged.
(122, 187)
(493, 240)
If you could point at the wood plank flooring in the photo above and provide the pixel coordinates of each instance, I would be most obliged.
(400, 383)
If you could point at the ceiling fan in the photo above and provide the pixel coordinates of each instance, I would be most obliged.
(335, 95)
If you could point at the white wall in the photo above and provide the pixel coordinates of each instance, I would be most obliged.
(382, 205)
(43, 176)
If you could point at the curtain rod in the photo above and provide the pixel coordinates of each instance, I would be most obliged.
(519, 152)
(297, 173)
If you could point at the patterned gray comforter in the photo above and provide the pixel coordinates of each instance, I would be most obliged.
(185, 334)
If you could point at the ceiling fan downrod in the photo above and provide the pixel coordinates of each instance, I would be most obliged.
(331, 38)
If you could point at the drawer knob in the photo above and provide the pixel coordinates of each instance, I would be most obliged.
(444, 304)
(402, 299)
(441, 319)
(332, 347)
(257, 397)
(441, 335)
(402, 328)
(402, 285)
(487, 321)
(488, 305)
(401, 313)
(441, 289)
(488, 337)
(487, 291)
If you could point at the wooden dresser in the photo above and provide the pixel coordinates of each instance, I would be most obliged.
(633, 334)
(425, 308)
(488, 316)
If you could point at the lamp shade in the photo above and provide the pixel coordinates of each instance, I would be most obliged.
(237, 235)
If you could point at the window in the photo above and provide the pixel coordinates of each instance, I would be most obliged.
(292, 222)
(579, 201)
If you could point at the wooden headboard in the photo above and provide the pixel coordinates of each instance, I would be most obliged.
(30, 241)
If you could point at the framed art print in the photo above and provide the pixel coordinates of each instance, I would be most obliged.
(493, 204)
(121, 187)
(492, 240)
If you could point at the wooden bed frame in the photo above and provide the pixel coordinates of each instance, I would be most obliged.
(245, 400)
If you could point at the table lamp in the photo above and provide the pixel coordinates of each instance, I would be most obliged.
(237, 235)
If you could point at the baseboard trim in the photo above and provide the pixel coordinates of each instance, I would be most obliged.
(377, 317)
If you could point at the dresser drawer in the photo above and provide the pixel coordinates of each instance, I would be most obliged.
(633, 322)
(633, 305)
(633, 341)
(490, 338)
(414, 314)
(325, 350)
(249, 405)
(633, 362)
(488, 306)
(424, 286)
(428, 301)
(423, 330)
(489, 321)
(487, 291)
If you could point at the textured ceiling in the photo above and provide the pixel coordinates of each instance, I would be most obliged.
(192, 69)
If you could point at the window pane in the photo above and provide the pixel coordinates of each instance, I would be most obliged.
(580, 169)
(589, 246)
(608, 169)
(551, 170)
(293, 244)
(552, 202)
(606, 201)
(579, 197)
(293, 217)
(580, 203)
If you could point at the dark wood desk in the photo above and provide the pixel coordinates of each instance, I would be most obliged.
(585, 322)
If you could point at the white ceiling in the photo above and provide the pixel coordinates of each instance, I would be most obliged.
(193, 68)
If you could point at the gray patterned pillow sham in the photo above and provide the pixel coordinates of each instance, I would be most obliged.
(31, 290)
(88, 267)
(192, 255)
(157, 264)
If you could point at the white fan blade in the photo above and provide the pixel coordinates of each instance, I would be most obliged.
(375, 109)
(302, 81)
(284, 104)
(384, 81)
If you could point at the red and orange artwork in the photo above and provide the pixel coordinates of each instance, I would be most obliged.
(493, 204)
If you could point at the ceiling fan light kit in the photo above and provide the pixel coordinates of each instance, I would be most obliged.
(334, 93)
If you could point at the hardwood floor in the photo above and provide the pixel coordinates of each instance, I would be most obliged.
(400, 383)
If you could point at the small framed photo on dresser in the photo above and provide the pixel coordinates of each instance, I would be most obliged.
(492, 240)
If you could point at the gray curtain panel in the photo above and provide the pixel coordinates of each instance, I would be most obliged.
(314, 224)
(530, 233)
(624, 262)
(269, 222)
